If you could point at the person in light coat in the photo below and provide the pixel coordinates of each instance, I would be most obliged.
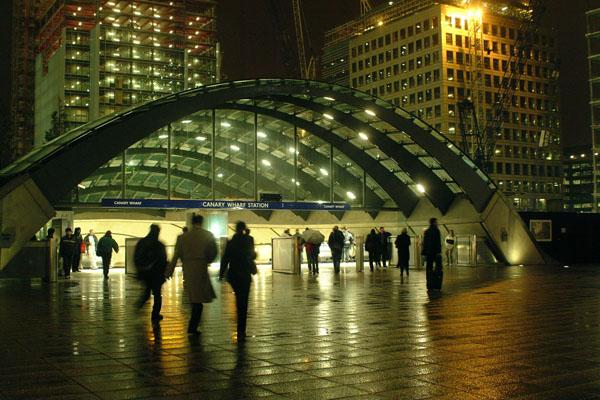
(196, 249)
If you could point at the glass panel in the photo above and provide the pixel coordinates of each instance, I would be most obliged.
(146, 167)
(191, 157)
(234, 150)
(348, 180)
(275, 157)
(313, 154)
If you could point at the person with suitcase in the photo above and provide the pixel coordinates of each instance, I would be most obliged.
(432, 250)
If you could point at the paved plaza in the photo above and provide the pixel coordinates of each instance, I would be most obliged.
(493, 333)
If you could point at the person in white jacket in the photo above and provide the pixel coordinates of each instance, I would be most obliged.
(450, 243)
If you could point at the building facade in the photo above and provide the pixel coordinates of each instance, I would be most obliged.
(96, 57)
(578, 179)
(593, 39)
(428, 58)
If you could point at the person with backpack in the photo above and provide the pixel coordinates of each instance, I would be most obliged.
(336, 244)
(150, 258)
(371, 246)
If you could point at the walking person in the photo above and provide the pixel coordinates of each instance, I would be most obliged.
(384, 250)
(336, 244)
(80, 248)
(197, 249)
(106, 245)
(450, 243)
(432, 250)
(150, 259)
(67, 250)
(238, 265)
(371, 247)
(403, 245)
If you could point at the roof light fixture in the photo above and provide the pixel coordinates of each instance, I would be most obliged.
(363, 136)
(370, 112)
(328, 116)
(420, 188)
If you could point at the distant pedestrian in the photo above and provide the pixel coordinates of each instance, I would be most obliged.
(238, 265)
(432, 250)
(196, 249)
(91, 244)
(403, 245)
(450, 243)
(50, 234)
(67, 250)
(106, 245)
(184, 229)
(80, 249)
(286, 233)
(372, 247)
(336, 244)
(299, 244)
(348, 242)
(384, 251)
(150, 259)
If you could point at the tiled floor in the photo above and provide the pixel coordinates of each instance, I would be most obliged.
(518, 332)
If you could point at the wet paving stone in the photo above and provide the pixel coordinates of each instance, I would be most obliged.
(493, 333)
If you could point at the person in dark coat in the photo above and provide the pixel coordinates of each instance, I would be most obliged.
(106, 245)
(237, 264)
(403, 245)
(336, 244)
(78, 244)
(432, 250)
(384, 251)
(150, 259)
(67, 251)
(371, 246)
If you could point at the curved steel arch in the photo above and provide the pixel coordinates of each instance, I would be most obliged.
(103, 139)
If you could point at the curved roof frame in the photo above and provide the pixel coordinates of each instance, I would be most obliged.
(102, 139)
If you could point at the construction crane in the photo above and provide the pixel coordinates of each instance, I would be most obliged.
(365, 7)
(480, 143)
(308, 67)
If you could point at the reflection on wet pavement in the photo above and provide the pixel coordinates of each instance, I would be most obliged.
(493, 333)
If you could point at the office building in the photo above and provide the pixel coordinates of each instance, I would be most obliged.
(429, 56)
(97, 57)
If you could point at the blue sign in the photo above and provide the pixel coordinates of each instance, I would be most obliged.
(223, 204)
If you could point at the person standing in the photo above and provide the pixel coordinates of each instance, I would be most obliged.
(348, 240)
(432, 250)
(450, 243)
(106, 245)
(79, 247)
(384, 251)
(238, 265)
(403, 245)
(91, 244)
(299, 245)
(150, 258)
(371, 248)
(196, 249)
(67, 250)
(336, 244)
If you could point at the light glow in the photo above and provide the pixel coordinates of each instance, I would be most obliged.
(363, 136)
(234, 147)
(420, 188)
(370, 112)
(351, 195)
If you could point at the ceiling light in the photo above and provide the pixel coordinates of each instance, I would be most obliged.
(351, 195)
(328, 116)
(363, 136)
(225, 124)
(234, 147)
(420, 188)
(261, 134)
(323, 171)
(370, 112)
(186, 121)
(329, 98)
(163, 136)
(219, 175)
(200, 138)
(266, 162)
